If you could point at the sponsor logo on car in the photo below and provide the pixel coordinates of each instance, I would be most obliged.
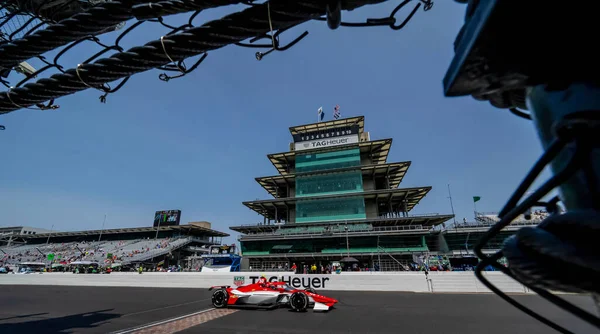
(316, 282)
(239, 280)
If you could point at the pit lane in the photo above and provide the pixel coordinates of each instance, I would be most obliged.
(65, 309)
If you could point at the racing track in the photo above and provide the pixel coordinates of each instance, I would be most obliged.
(64, 309)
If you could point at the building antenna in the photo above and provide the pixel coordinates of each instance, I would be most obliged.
(451, 206)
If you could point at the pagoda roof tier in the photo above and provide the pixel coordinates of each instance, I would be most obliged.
(388, 198)
(378, 150)
(328, 125)
(276, 185)
(425, 220)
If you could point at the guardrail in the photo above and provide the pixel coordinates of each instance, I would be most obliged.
(423, 214)
(374, 230)
(342, 221)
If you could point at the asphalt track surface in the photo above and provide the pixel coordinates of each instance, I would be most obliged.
(68, 309)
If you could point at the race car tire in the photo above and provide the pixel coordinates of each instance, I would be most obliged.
(299, 302)
(220, 298)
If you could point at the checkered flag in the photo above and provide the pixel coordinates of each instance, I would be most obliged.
(336, 112)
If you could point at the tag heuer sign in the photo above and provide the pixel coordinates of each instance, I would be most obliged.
(322, 143)
(238, 280)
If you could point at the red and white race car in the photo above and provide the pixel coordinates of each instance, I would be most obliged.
(270, 295)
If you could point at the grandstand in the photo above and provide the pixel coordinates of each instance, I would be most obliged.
(124, 247)
(455, 244)
(10, 233)
(336, 201)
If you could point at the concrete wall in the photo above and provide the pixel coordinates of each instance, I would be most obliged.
(368, 184)
(201, 224)
(245, 263)
(292, 214)
(346, 281)
(371, 209)
(467, 282)
(34, 230)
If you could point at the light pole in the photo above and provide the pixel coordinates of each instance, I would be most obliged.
(104, 221)
(158, 228)
(378, 254)
(51, 229)
(347, 243)
(451, 206)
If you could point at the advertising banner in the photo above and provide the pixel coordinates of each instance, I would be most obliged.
(327, 142)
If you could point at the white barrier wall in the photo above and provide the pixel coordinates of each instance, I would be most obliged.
(348, 281)
(467, 282)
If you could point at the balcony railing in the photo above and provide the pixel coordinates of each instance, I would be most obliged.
(340, 222)
(342, 232)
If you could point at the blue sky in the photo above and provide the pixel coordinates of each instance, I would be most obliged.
(197, 143)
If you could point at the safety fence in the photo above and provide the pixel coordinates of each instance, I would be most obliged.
(41, 41)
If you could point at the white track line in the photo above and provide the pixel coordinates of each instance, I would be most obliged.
(164, 308)
(131, 330)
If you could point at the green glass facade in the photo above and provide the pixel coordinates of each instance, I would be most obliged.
(329, 184)
(332, 183)
(337, 245)
(330, 209)
(313, 162)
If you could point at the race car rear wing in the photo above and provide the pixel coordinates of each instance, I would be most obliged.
(218, 287)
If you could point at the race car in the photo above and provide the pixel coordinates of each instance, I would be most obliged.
(270, 295)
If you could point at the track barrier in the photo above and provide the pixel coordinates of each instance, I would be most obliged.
(459, 282)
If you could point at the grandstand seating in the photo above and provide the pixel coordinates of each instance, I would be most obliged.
(492, 218)
(124, 251)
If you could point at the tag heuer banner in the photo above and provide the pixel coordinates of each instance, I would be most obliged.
(327, 142)
(326, 138)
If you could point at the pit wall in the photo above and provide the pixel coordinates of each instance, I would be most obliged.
(461, 282)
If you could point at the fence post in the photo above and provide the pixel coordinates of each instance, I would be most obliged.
(429, 282)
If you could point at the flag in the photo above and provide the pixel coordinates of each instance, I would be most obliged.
(476, 199)
(336, 112)
(320, 113)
